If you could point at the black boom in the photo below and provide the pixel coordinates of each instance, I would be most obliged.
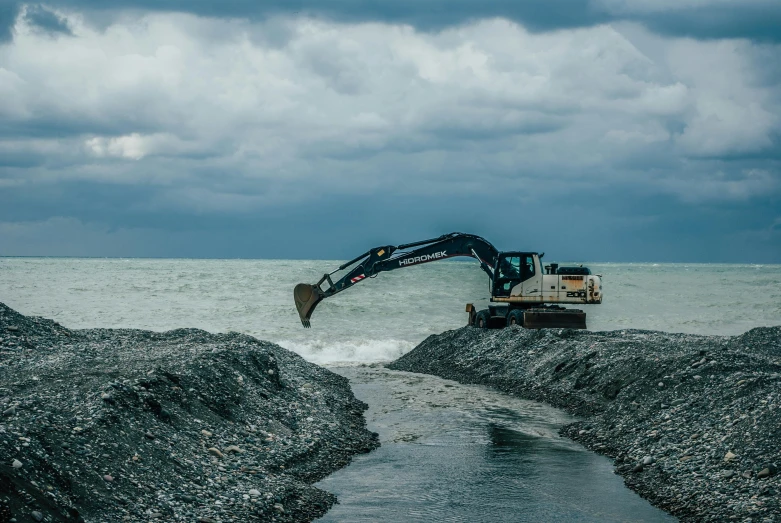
(388, 258)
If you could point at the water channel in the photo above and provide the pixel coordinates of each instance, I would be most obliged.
(453, 452)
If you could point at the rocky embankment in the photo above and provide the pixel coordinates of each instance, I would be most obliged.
(693, 422)
(128, 425)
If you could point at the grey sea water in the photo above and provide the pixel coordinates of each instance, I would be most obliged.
(449, 452)
(378, 319)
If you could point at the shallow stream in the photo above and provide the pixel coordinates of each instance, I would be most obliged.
(453, 452)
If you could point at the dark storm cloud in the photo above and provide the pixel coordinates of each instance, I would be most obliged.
(8, 13)
(757, 20)
(63, 126)
(627, 226)
(42, 18)
(426, 14)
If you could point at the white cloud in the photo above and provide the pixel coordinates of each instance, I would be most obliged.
(214, 103)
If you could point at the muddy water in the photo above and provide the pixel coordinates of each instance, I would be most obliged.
(452, 452)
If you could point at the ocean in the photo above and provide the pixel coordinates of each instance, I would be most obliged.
(378, 319)
(450, 452)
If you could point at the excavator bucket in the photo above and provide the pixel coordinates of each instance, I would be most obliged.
(307, 297)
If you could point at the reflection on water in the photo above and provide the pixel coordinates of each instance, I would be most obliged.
(454, 452)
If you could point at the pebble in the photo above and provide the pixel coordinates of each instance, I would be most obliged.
(215, 451)
(232, 448)
(254, 492)
(206, 433)
(729, 456)
(108, 478)
(37, 516)
(16, 464)
(648, 460)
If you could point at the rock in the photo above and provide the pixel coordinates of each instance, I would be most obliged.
(206, 433)
(10, 411)
(638, 468)
(149, 435)
(254, 492)
(728, 474)
(729, 456)
(215, 451)
(16, 464)
(205, 519)
(279, 508)
(108, 478)
(233, 449)
(767, 472)
(648, 460)
(12, 328)
(746, 474)
(37, 516)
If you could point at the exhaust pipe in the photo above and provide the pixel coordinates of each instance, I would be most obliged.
(307, 297)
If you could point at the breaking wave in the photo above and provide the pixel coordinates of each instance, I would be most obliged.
(348, 351)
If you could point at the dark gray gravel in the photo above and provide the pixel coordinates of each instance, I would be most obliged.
(129, 425)
(693, 422)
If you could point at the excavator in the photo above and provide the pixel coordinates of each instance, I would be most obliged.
(521, 294)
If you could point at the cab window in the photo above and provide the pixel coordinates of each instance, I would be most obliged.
(510, 268)
(527, 271)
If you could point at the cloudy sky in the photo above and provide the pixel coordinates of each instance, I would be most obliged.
(602, 130)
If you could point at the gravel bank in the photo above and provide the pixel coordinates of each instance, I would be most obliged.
(129, 425)
(693, 422)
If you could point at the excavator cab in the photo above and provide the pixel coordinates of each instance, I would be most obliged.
(512, 269)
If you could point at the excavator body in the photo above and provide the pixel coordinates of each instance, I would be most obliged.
(523, 292)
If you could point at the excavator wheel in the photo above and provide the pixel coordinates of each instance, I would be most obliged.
(483, 319)
(515, 318)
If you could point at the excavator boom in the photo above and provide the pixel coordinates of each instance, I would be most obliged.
(390, 257)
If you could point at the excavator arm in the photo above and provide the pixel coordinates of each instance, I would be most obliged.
(388, 258)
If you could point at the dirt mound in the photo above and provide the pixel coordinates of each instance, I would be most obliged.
(130, 425)
(693, 422)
